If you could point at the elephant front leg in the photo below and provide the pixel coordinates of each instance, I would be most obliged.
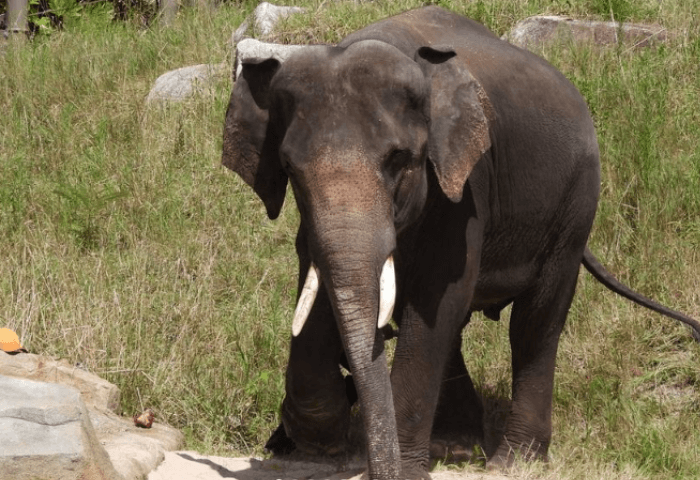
(435, 304)
(420, 362)
(316, 409)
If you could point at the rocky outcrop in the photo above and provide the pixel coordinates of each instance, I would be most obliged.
(96, 392)
(47, 434)
(133, 451)
(177, 85)
(59, 422)
(535, 32)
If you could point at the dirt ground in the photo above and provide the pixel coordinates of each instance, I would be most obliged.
(193, 466)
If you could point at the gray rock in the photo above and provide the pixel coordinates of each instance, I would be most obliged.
(96, 392)
(133, 451)
(123, 450)
(268, 15)
(265, 17)
(177, 85)
(47, 434)
(250, 48)
(535, 32)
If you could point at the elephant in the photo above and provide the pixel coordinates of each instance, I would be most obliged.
(438, 171)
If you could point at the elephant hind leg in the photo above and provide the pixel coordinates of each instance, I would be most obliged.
(536, 324)
(458, 424)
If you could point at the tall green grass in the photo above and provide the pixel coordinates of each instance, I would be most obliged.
(127, 248)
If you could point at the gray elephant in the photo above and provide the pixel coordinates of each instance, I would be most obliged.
(438, 171)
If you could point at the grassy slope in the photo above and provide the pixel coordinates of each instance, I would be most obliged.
(127, 248)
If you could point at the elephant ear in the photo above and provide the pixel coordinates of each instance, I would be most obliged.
(459, 115)
(250, 144)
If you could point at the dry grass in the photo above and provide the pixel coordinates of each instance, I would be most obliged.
(129, 249)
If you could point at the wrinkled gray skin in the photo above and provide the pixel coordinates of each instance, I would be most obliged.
(474, 163)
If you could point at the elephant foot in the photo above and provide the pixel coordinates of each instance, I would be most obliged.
(321, 431)
(405, 474)
(508, 453)
(457, 449)
(279, 444)
(414, 473)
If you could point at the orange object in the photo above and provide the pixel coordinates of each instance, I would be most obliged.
(9, 341)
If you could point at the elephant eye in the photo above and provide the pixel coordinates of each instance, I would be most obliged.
(397, 160)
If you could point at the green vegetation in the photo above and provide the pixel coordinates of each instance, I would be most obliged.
(128, 248)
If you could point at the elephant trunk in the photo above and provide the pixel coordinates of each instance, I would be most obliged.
(348, 217)
(354, 260)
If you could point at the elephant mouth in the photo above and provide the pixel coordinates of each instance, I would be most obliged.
(312, 283)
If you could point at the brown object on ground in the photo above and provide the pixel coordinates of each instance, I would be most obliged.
(145, 420)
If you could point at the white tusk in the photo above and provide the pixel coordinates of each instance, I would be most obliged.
(387, 292)
(306, 300)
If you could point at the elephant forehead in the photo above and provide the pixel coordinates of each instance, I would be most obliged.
(345, 181)
(338, 76)
(350, 96)
(380, 64)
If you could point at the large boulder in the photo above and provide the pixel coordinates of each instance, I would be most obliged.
(133, 451)
(535, 32)
(96, 392)
(47, 434)
(64, 431)
(182, 83)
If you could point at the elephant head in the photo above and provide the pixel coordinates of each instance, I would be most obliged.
(355, 131)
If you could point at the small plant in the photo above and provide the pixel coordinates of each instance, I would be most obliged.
(83, 209)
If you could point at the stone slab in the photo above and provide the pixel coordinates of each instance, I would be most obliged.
(47, 434)
(133, 451)
(95, 391)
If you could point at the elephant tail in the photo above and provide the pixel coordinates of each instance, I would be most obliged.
(606, 278)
